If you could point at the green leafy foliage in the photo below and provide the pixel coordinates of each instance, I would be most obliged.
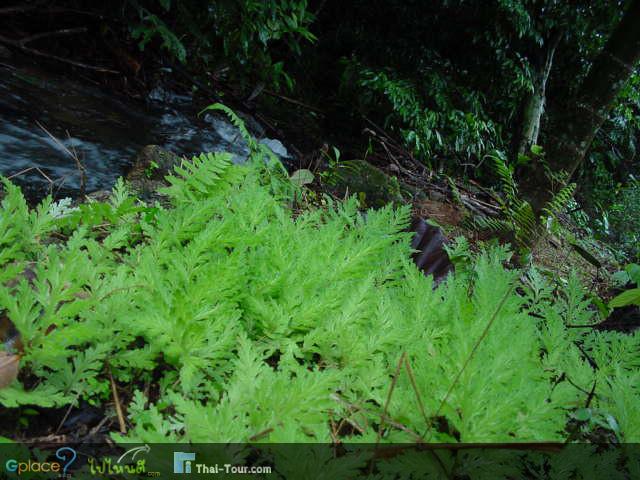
(624, 219)
(151, 26)
(629, 297)
(302, 177)
(429, 120)
(518, 217)
(631, 274)
(610, 191)
(258, 323)
(240, 32)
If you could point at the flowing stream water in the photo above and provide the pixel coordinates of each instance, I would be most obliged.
(104, 130)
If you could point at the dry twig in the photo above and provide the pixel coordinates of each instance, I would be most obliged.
(116, 400)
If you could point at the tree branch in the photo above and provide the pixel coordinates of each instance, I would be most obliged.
(55, 33)
(32, 51)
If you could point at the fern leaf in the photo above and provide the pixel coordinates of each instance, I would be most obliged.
(199, 178)
(560, 200)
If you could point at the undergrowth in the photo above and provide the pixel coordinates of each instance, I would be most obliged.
(430, 120)
(225, 318)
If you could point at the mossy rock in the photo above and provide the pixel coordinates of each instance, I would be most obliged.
(149, 168)
(359, 177)
(153, 162)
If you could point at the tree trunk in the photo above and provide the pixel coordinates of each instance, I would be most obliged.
(573, 133)
(535, 103)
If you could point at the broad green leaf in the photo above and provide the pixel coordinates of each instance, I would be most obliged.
(621, 278)
(582, 414)
(630, 297)
(537, 150)
(633, 270)
(302, 177)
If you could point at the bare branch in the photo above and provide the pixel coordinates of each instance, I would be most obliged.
(38, 53)
(55, 33)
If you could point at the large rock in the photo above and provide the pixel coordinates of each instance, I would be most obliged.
(276, 147)
(361, 178)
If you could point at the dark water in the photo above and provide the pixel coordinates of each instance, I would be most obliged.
(105, 131)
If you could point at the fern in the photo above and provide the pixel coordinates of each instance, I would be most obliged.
(505, 175)
(519, 217)
(151, 26)
(560, 200)
(490, 224)
(255, 323)
(198, 178)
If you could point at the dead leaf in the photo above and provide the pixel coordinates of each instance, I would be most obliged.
(586, 255)
(9, 368)
(9, 336)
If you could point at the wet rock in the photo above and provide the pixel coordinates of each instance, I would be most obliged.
(361, 178)
(236, 144)
(98, 196)
(161, 95)
(153, 162)
(149, 168)
(276, 147)
(254, 127)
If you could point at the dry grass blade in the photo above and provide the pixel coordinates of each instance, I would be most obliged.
(384, 415)
(394, 381)
(82, 171)
(116, 400)
(416, 391)
(55, 139)
(483, 335)
(37, 169)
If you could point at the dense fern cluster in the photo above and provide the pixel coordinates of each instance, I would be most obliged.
(517, 216)
(227, 318)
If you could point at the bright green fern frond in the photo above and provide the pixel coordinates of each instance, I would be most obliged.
(198, 179)
(560, 200)
(490, 224)
(15, 229)
(505, 175)
(524, 220)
